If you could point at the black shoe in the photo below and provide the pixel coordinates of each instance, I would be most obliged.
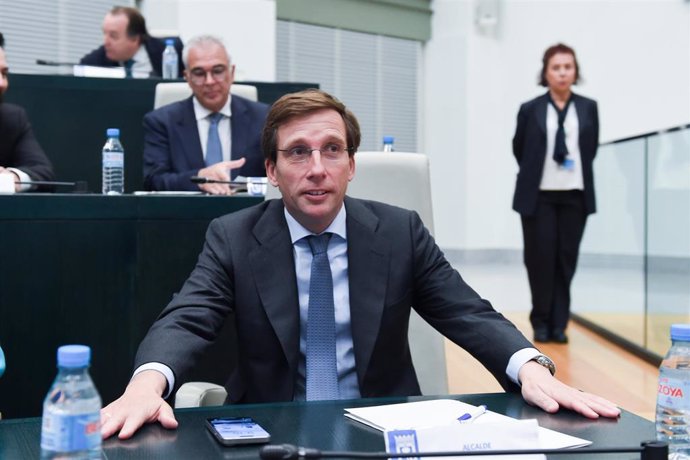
(559, 337)
(541, 336)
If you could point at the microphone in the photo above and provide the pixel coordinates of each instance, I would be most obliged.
(649, 450)
(54, 63)
(206, 180)
(80, 186)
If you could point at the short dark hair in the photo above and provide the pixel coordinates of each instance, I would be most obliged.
(2, 40)
(136, 26)
(549, 53)
(302, 103)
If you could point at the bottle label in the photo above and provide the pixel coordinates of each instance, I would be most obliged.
(113, 159)
(673, 392)
(71, 433)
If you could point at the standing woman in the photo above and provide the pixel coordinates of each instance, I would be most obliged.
(555, 143)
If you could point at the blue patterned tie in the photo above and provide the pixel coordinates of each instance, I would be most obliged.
(322, 373)
(214, 151)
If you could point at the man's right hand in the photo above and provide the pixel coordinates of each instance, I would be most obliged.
(219, 171)
(141, 403)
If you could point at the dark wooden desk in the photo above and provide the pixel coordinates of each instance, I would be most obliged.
(320, 425)
(96, 270)
(69, 116)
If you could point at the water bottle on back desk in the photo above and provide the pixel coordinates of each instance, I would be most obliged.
(673, 397)
(388, 143)
(170, 67)
(113, 164)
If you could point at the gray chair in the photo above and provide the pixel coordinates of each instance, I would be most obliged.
(403, 179)
(167, 93)
(400, 179)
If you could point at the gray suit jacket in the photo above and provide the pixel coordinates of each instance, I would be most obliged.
(247, 269)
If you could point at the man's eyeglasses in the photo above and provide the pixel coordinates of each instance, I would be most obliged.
(198, 75)
(329, 152)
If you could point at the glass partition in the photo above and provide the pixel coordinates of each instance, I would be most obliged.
(633, 276)
(668, 236)
(608, 288)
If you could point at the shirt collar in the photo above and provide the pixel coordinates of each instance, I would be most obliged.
(337, 227)
(201, 112)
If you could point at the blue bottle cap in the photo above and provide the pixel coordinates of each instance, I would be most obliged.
(680, 332)
(112, 132)
(73, 356)
(169, 42)
(388, 139)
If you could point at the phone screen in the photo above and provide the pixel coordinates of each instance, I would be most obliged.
(237, 430)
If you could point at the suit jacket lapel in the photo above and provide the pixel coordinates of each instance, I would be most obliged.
(368, 268)
(540, 110)
(238, 132)
(188, 136)
(273, 267)
(582, 118)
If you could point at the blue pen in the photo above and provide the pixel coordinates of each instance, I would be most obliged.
(473, 414)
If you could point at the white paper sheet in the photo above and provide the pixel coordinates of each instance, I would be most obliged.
(436, 412)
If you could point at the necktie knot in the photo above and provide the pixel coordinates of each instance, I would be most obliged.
(215, 118)
(319, 243)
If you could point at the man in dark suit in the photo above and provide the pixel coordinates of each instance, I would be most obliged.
(21, 156)
(259, 265)
(182, 139)
(127, 43)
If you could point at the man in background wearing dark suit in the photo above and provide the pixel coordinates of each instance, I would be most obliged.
(212, 133)
(358, 266)
(127, 43)
(20, 153)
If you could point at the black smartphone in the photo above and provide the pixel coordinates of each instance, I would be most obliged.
(231, 431)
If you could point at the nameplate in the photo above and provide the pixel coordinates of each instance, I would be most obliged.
(464, 437)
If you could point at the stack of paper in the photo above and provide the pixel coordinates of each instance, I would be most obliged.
(440, 412)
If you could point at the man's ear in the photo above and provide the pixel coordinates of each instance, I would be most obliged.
(271, 172)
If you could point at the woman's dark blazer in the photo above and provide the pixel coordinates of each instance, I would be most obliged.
(529, 148)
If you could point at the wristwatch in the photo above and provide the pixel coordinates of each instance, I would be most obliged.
(546, 362)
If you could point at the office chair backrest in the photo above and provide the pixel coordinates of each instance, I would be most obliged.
(402, 179)
(167, 93)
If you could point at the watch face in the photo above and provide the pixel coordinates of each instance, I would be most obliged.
(547, 363)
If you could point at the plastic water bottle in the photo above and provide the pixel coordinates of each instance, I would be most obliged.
(113, 164)
(71, 425)
(388, 143)
(673, 398)
(170, 60)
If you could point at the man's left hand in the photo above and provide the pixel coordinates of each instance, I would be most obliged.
(541, 389)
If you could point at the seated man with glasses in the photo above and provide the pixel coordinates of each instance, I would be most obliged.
(211, 134)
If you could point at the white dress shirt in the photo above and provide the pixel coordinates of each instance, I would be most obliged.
(555, 176)
(141, 68)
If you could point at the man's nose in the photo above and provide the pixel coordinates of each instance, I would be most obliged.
(315, 163)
